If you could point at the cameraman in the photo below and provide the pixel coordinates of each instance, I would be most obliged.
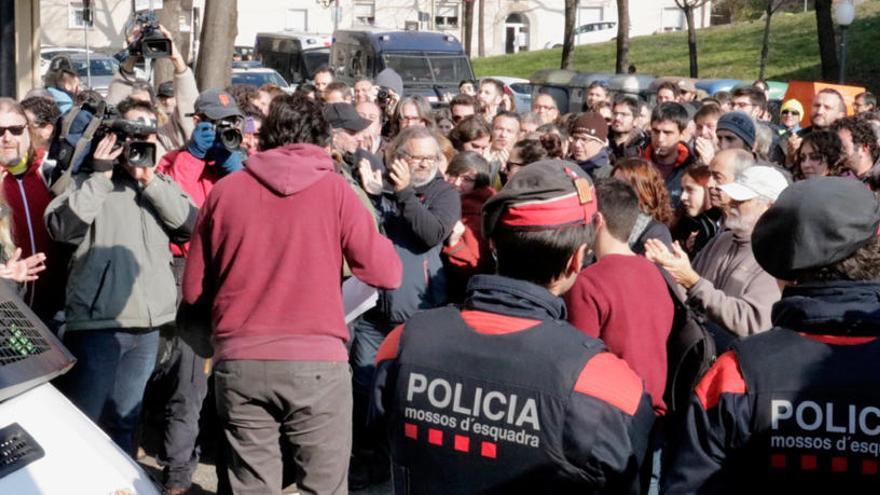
(119, 215)
(175, 128)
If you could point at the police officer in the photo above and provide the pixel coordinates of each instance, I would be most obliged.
(501, 395)
(797, 409)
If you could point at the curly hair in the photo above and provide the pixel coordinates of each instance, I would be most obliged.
(827, 144)
(862, 133)
(649, 186)
(294, 119)
(864, 264)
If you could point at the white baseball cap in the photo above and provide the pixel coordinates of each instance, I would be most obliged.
(756, 181)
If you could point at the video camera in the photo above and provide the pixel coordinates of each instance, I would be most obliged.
(137, 152)
(151, 43)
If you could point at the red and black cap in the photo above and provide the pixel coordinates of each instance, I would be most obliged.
(546, 195)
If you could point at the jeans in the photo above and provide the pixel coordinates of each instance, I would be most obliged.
(180, 383)
(107, 383)
(267, 406)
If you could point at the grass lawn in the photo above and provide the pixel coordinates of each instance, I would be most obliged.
(730, 51)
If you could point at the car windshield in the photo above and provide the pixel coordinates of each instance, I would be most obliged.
(429, 68)
(258, 78)
(523, 88)
(98, 66)
(315, 58)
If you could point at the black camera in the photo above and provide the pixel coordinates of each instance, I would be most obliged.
(151, 43)
(228, 134)
(132, 134)
(382, 96)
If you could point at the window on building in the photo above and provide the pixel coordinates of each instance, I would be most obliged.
(673, 19)
(297, 20)
(365, 13)
(446, 16)
(76, 13)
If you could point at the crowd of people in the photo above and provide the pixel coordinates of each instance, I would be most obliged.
(534, 269)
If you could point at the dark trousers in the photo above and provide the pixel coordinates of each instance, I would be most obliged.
(181, 382)
(265, 406)
(108, 380)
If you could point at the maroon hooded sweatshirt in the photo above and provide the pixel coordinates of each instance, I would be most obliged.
(267, 255)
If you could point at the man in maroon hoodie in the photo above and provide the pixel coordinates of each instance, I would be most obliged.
(267, 256)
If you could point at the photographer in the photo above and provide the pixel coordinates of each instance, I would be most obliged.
(180, 379)
(174, 128)
(119, 215)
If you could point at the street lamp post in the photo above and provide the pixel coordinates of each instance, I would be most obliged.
(844, 14)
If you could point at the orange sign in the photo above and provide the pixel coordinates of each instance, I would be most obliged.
(804, 91)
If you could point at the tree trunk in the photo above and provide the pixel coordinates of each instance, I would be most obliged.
(692, 40)
(568, 35)
(622, 36)
(827, 45)
(219, 29)
(468, 32)
(169, 17)
(481, 29)
(765, 47)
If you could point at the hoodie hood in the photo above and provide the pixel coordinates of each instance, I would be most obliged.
(290, 169)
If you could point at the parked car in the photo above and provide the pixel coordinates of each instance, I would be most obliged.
(48, 52)
(294, 55)
(521, 89)
(259, 76)
(102, 69)
(589, 33)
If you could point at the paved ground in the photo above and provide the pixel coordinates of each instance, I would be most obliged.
(205, 480)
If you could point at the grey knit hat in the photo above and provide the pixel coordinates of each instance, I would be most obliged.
(740, 124)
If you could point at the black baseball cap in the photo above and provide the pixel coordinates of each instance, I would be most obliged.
(815, 223)
(344, 116)
(166, 89)
(216, 104)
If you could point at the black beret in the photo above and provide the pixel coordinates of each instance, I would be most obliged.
(815, 223)
(545, 195)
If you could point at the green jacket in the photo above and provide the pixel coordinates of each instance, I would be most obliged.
(120, 273)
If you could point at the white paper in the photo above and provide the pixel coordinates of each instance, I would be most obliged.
(357, 298)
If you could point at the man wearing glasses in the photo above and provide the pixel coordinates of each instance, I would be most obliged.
(418, 210)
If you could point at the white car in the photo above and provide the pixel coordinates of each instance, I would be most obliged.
(589, 33)
(522, 91)
(259, 76)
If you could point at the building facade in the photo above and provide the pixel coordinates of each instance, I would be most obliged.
(509, 25)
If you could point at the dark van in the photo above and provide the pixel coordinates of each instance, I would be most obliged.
(295, 56)
(430, 64)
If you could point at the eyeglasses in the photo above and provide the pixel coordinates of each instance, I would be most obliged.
(424, 160)
(15, 130)
(790, 112)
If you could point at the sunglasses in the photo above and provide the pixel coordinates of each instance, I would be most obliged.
(16, 130)
(790, 112)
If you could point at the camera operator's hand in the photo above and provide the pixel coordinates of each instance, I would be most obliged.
(144, 175)
(393, 100)
(202, 139)
(106, 153)
(176, 58)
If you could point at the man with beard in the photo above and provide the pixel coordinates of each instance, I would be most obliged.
(860, 145)
(589, 145)
(627, 139)
(725, 281)
(418, 212)
(545, 106)
(828, 107)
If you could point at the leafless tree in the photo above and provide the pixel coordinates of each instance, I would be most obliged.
(770, 8)
(688, 7)
(568, 36)
(468, 26)
(214, 68)
(622, 36)
(169, 17)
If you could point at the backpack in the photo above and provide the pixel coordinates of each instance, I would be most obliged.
(690, 352)
(73, 143)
